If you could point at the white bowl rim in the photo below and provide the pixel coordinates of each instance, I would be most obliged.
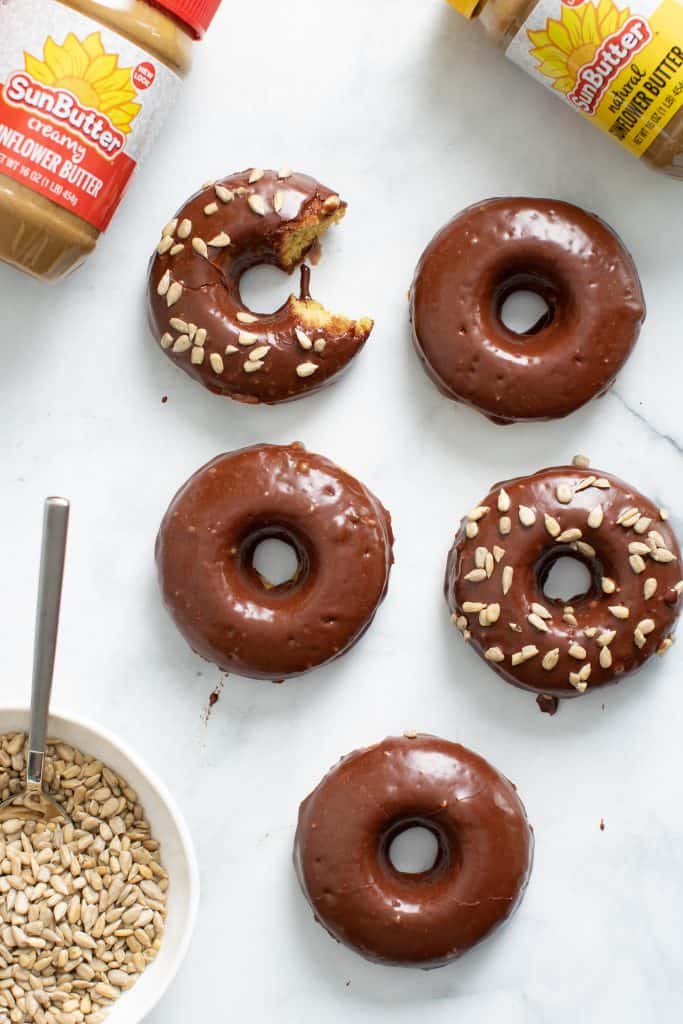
(176, 814)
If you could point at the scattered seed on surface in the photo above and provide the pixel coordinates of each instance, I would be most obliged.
(608, 585)
(247, 318)
(471, 530)
(477, 513)
(164, 283)
(581, 462)
(567, 536)
(170, 228)
(492, 613)
(185, 228)
(585, 549)
(306, 369)
(255, 175)
(319, 345)
(551, 659)
(199, 246)
(216, 362)
(504, 502)
(164, 245)
(284, 173)
(303, 339)
(473, 607)
(200, 336)
(619, 611)
(252, 365)
(527, 652)
(564, 494)
(494, 654)
(476, 576)
(541, 610)
(606, 638)
(257, 205)
(605, 658)
(595, 517)
(507, 577)
(166, 340)
(220, 241)
(504, 525)
(278, 201)
(552, 525)
(663, 555)
(498, 553)
(181, 344)
(578, 652)
(223, 193)
(247, 338)
(527, 516)
(637, 563)
(537, 622)
(666, 644)
(197, 356)
(174, 293)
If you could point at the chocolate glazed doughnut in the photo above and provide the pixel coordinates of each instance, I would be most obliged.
(231, 615)
(195, 307)
(501, 559)
(348, 823)
(573, 260)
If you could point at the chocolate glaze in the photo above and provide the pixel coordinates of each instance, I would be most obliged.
(346, 827)
(531, 550)
(573, 260)
(224, 608)
(211, 301)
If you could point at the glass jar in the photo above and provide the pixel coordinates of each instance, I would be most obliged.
(619, 66)
(84, 86)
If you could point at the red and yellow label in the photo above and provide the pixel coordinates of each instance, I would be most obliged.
(77, 106)
(621, 67)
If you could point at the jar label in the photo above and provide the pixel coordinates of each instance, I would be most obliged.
(79, 106)
(620, 66)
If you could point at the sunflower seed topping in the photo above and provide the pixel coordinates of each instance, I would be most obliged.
(284, 173)
(494, 654)
(537, 622)
(637, 563)
(319, 345)
(649, 588)
(220, 241)
(569, 617)
(508, 573)
(246, 338)
(663, 555)
(182, 343)
(606, 638)
(619, 611)
(577, 651)
(480, 557)
(551, 659)
(527, 652)
(605, 658)
(608, 585)
(306, 369)
(476, 576)
(504, 525)
(471, 530)
(602, 483)
(252, 365)
(200, 336)
(185, 228)
(473, 607)
(585, 549)
(477, 513)
(259, 353)
(164, 283)
(170, 228)
(210, 209)
(177, 249)
(567, 536)
(257, 204)
(247, 318)
(223, 193)
(231, 349)
(527, 516)
(199, 246)
(539, 609)
(579, 680)
(197, 356)
(498, 553)
(303, 339)
(179, 325)
(666, 644)
(663, 514)
(174, 292)
(255, 175)
(563, 493)
(504, 502)
(583, 485)
(164, 245)
(643, 525)
(581, 462)
(216, 361)
(278, 201)
(595, 517)
(552, 525)
(492, 613)
(166, 340)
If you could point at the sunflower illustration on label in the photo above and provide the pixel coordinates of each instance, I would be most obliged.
(77, 109)
(621, 66)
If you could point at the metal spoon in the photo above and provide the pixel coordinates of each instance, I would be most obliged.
(33, 803)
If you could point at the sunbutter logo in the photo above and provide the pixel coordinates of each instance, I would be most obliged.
(612, 56)
(62, 106)
(80, 86)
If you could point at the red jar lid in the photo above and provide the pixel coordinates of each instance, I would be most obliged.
(196, 14)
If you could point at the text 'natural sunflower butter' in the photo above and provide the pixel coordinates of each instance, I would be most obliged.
(84, 85)
(618, 64)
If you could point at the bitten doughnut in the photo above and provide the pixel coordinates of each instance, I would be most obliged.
(195, 308)
(573, 260)
(503, 554)
(231, 615)
(349, 821)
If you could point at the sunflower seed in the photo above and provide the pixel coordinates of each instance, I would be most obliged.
(200, 337)
(220, 241)
(539, 609)
(498, 553)
(476, 576)
(504, 502)
(504, 525)
(174, 293)
(507, 575)
(552, 525)
(473, 607)
(247, 318)
(252, 365)
(551, 659)
(216, 362)
(471, 530)
(583, 485)
(649, 588)
(257, 205)
(181, 344)
(602, 483)
(527, 652)
(177, 249)
(319, 345)
(255, 175)
(563, 493)
(663, 556)
(619, 611)
(199, 246)
(284, 173)
(278, 201)
(665, 645)
(606, 638)
(164, 245)
(306, 369)
(169, 229)
(492, 613)
(197, 356)
(494, 654)
(259, 353)
(223, 193)
(608, 585)
(581, 462)
(166, 340)
(595, 517)
(210, 209)
(585, 549)
(537, 622)
(605, 658)
(577, 651)
(303, 338)
(164, 283)
(185, 228)
(567, 536)
(637, 563)
(527, 516)
(477, 513)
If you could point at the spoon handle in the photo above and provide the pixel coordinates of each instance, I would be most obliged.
(55, 526)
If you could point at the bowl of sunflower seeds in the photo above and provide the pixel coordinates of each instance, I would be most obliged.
(96, 913)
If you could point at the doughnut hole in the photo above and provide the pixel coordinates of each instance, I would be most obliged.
(566, 576)
(414, 848)
(275, 559)
(526, 304)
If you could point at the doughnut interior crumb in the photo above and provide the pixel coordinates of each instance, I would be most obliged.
(301, 233)
(297, 240)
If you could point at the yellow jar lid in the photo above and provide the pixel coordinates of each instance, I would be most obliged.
(464, 7)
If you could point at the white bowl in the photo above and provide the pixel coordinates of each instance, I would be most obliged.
(177, 852)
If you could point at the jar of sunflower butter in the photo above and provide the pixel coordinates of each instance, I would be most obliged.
(620, 65)
(84, 87)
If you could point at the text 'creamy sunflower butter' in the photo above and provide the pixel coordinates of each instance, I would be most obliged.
(619, 64)
(84, 87)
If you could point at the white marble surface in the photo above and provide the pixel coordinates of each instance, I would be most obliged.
(404, 109)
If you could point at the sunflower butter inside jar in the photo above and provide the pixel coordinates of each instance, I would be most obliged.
(84, 86)
(619, 64)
